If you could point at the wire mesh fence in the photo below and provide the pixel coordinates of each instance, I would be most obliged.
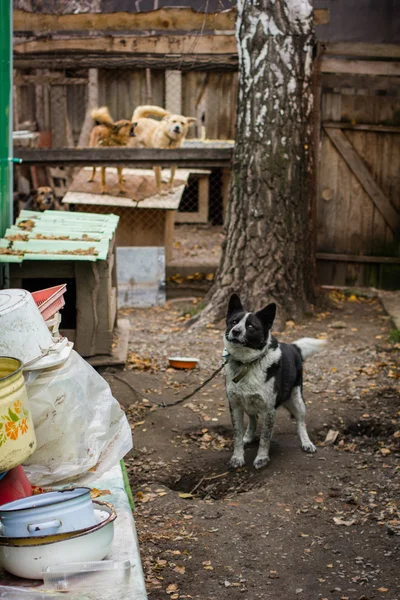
(58, 104)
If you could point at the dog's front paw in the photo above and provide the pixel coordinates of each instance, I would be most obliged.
(309, 447)
(236, 462)
(261, 461)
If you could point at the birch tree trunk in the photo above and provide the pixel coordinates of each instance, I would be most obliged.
(268, 254)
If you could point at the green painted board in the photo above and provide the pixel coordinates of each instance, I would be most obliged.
(62, 224)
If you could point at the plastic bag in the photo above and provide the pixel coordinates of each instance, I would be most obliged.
(79, 425)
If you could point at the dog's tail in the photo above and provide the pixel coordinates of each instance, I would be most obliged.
(102, 116)
(309, 346)
(146, 111)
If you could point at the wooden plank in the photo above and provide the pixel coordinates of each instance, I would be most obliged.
(169, 233)
(358, 259)
(362, 127)
(359, 67)
(371, 85)
(119, 351)
(79, 60)
(363, 49)
(50, 79)
(164, 19)
(359, 169)
(171, 44)
(140, 157)
(328, 196)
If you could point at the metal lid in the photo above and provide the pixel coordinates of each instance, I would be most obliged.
(12, 299)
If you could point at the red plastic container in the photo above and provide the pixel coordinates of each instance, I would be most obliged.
(50, 300)
(14, 486)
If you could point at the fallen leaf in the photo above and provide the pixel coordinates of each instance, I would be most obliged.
(95, 493)
(179, 569)
(273, 575)
(173, 587)
(185, 495)
(383, 589)
(331, 437)
(384, 451)
(339, 521)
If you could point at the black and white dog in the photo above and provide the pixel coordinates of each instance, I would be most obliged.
(262, 374)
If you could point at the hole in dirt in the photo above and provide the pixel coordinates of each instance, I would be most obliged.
(371, 428)
(216, 486)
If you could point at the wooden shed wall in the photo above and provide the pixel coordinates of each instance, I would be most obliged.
(351, 222)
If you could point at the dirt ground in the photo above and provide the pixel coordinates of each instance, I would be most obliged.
(307, 527)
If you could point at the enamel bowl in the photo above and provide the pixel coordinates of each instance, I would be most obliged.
(61, 511)
(183, 362)
(28, 561)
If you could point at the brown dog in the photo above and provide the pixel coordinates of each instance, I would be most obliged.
(107, 133)
(170, 132)
(40, 200)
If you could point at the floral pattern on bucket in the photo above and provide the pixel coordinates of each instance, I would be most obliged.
(13, 422)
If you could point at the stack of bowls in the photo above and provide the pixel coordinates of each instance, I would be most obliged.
(25, 335)
(54, 528)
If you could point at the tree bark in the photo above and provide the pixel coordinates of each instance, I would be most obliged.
(268, 254)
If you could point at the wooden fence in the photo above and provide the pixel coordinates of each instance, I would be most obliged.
(358, 204)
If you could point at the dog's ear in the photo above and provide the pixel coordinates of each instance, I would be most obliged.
(267, 315)
(235, 304)
(191, 120)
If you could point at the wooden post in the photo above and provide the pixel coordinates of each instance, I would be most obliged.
(92, 102)
(169, 233)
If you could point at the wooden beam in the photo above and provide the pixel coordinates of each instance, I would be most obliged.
(363, 50)
(391, 85)
(359, 67)
(362, 127)
(137, 157)
(49, 79)
(164, 19)
(182, 62)
(359, 169)
(358, 259)
(152, 44)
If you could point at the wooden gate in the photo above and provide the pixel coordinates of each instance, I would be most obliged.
(358, 205)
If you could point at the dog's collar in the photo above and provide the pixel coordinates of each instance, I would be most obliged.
(243, 371)
(245, 366)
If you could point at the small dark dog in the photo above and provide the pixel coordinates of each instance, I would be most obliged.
(40, 200)
(109, 133)
(261, 375)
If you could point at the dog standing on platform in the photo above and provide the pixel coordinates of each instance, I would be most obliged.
(261, 375)
(109, 133)
(170, 133)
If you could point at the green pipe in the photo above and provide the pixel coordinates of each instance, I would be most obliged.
(127, 485)
(5, 114)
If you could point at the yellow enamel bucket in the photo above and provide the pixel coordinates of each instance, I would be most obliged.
(17, 434)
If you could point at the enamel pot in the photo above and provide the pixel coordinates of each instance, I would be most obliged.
(17, 435)
(50, 513)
